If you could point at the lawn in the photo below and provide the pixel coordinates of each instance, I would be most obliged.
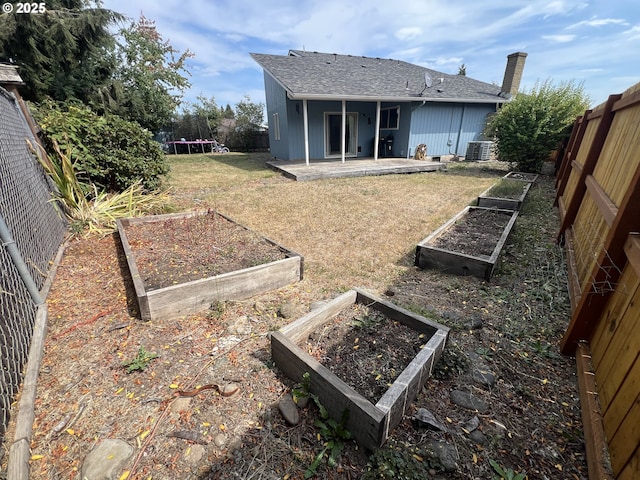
(352, 232)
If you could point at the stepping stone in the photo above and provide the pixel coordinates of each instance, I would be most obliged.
(106, 460)
(468, 401)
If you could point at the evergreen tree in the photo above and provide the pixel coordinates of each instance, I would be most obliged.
(64, 53)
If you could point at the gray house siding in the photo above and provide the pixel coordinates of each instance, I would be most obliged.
(277, 105)
(447, 128)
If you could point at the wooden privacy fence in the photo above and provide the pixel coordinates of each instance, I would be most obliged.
(598, 197)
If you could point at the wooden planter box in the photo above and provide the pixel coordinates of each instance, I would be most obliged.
(488, 200)
(198, 295)
(369, 424)
(449, 261)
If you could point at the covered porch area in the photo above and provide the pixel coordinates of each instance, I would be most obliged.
(355, 167)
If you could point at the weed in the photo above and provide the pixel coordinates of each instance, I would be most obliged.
(368, 320)
(452, 362)
(216, 310)
(508, 474)
(332, 433)
(140, 362)
(395, 460)
(507, 188)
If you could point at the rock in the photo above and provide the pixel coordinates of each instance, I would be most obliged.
(445, 453)
(483, 376)
(194, 454)
(471, 425)
(425, 418)
(475, 323)
(289, 410)
(219, 440)
(468, 401)
(106, 460)
(241, 326)
(287, 310)
(225, 342)
(302, 402)
(260, 308)
(181, 404)
(478, 437)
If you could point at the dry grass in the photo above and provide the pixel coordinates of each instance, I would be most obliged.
(352, 231)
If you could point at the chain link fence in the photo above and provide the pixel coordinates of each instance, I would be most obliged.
(31, 232)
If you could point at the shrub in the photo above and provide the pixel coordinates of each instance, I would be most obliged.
(106, 150)
(526, 129)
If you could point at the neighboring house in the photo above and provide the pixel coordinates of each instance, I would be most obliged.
(315, 100)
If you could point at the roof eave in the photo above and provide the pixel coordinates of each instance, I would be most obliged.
(382, 98)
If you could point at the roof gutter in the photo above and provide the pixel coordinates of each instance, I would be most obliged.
(361, 98)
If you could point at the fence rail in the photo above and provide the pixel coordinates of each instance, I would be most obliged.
(31, 232)
(598, 196)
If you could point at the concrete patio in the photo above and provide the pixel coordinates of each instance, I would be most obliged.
(353, 167)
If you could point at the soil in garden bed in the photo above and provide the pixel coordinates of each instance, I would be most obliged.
(365, 349)
(180, 250)
(476, 233)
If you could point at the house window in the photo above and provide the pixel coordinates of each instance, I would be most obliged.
(390, 118)
(276, 126)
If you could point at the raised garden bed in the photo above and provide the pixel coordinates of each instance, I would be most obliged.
(507, 194)
(469, 243)
(182, 263)
(370, 423)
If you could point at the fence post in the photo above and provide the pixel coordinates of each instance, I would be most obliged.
(15, 255)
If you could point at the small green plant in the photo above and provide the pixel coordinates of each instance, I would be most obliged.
(333, 433)
(141, 361)
(453, 361)
(508, 474)
(368, 320)
(216, 310)
(396, 460)
(507, 188)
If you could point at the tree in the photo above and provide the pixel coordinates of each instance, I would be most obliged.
(530, 126)
(64, 53)
(462, 70)
(249, 119)
(151, 79)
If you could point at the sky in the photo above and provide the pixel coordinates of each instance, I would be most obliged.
(592, 43)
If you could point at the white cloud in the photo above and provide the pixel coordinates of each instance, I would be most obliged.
(598, 22)
(559, 38)
(408, 33)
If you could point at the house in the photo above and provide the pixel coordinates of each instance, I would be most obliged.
(329, 106)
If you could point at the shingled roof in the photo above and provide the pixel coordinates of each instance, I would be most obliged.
(314, 75)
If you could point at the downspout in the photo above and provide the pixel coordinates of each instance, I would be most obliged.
(305, 116)
(344, 129)
(459, 130)
(23, 271)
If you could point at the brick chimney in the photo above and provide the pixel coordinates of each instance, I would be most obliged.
(513, 74)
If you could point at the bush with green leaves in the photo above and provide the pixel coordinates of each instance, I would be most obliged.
(526, 129)
(106, 150)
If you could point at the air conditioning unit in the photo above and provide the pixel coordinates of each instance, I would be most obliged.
(478, 151)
